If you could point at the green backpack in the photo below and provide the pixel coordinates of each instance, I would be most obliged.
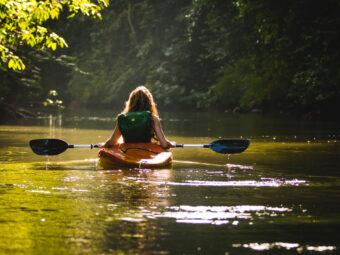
(135, 127)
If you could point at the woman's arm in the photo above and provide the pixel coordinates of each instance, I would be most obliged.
(116, 135)
(165, 143)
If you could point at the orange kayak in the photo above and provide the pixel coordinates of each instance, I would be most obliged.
(146, 155)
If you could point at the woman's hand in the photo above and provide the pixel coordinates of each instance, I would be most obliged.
(101, 145)
(172, 144)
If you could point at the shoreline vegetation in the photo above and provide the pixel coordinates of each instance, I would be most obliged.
(263, 57)
(12, 115)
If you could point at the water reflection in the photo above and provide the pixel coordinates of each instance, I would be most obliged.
(263, 182)
(218, 215)
(84, 164)
(54, 123)
(205, 204)
(286, 246)
(239, 167)
(87, 211)
(126, 205)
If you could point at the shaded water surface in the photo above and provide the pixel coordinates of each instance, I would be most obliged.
(281, 196)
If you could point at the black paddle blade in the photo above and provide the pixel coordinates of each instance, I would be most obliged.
(48, 146)
(230, 146)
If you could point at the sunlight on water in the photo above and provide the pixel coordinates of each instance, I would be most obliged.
(239, 167)
(205, 203)
(218, 215)
(267, 246)
(179, 162)
(39, 191)
(320, 248)
(84, 164)
(263, 182)
(287, 246)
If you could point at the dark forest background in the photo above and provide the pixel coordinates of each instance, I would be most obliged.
(277, 57)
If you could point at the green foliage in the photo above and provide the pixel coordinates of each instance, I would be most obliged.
(53, 103)
(204, 54)
(23, 23)
(215, 54)
(296, 54)
(126, 52)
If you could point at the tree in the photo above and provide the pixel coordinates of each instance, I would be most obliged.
(24, 23)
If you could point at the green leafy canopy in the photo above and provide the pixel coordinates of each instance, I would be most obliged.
(22, 24)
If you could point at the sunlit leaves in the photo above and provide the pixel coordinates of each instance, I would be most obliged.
(22, 23)
(13, 61)
(16, 63)
(53, 102)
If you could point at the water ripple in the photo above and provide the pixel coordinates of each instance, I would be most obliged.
(263, 182)
(218, 215)
(287, 246)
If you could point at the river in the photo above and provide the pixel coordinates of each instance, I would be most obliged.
(281, 196)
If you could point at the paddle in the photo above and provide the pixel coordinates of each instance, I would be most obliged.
(57, 146)
(224, 146)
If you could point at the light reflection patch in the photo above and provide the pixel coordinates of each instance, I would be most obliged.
(218, 215)
(263, 182)
(287, 246)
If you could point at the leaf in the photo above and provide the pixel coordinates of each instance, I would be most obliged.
(11, 63)
(54, 13)
(71, 16)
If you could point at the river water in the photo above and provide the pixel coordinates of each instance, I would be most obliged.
(281, 196)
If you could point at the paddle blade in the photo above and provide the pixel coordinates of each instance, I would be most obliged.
(230, 146)
(48, 146)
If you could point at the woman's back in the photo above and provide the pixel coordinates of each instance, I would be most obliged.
(139, 121)
(136, 127)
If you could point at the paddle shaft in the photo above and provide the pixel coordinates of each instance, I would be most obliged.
(192, 146)
(91, 146)
(83, 146)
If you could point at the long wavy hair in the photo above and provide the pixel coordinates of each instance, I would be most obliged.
(141, 99)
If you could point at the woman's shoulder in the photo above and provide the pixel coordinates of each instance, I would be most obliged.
(155, 120)
(155, 117)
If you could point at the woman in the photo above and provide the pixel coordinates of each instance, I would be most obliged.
(139, 122)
